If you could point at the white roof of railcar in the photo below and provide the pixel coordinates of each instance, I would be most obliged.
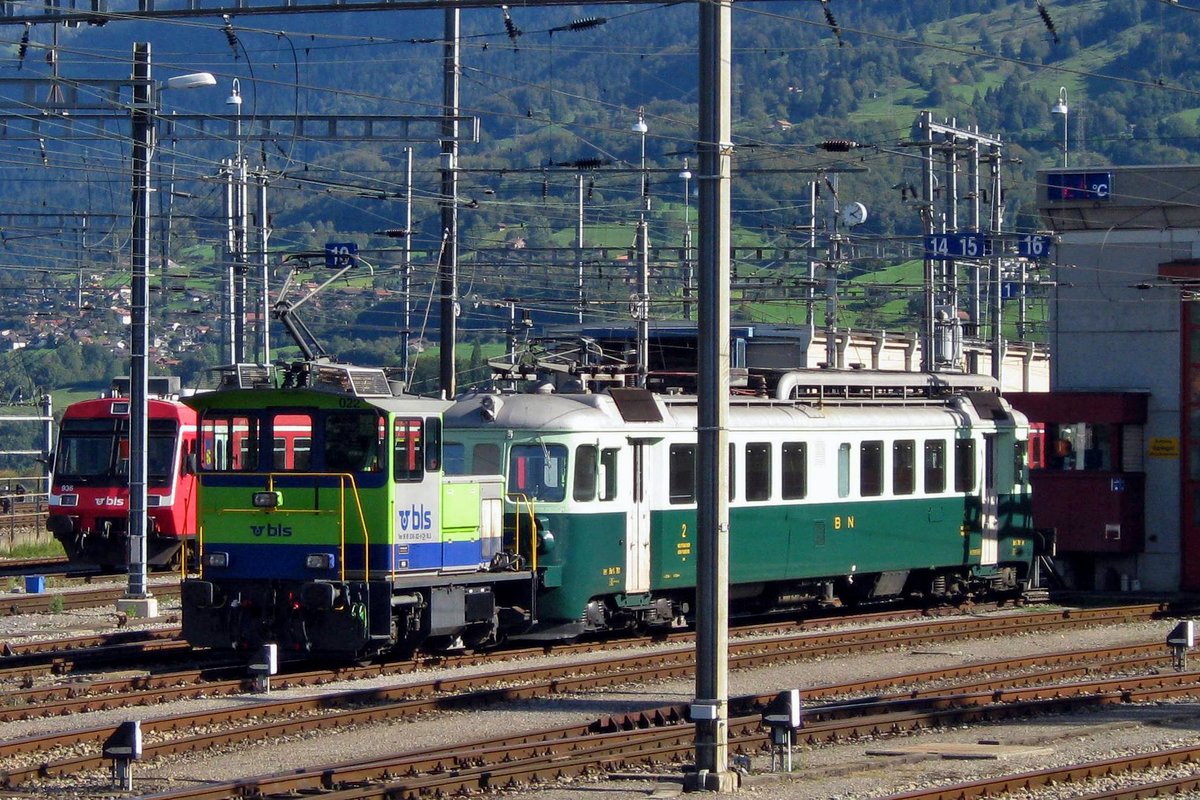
(582, 412)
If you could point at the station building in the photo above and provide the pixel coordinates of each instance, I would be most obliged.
(1119, 448)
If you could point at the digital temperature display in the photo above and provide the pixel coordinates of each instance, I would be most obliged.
(1079, 185)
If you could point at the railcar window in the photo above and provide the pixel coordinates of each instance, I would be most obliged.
(229, 442)
(1020, 466)
(732, 470)
(485, 459)
(586, 466)
(794, 470)
(758, 471)
(935, 466)
(964, 465)
(870, 465)
(291, 441)
(844, 469)
(682, 471)
(608, 467)
(302, 452)
(904, 466)
(353, 441)
(454, 458)
(408, 462)
(538, 471)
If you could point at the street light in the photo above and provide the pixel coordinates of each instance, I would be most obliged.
(236, 239)
(137, 599)
(641, 128)
(1061, 108)
(686, 174)
(641, 303)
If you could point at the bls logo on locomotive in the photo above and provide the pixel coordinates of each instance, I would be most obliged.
(416, 518)
(271, 530)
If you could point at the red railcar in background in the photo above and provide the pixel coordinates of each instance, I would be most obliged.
(89, 487)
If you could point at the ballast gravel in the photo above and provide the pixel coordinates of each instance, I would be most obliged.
(842, 772)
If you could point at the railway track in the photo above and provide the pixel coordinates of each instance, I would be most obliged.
(217, 678)
(292, 716)
(656, 737)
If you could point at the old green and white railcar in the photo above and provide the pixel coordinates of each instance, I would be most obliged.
(832, 500)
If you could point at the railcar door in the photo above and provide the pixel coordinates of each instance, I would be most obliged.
(988, 517)
(637, 526)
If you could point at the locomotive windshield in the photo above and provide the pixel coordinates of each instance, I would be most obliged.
(538, 472)
(96, 451)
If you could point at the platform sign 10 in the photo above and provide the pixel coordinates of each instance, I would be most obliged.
(1033, 245)
(945, 246)
(341, 254)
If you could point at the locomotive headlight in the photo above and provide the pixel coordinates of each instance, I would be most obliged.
(319, 561)
(216, 558)
(267, 499)
(68, 500)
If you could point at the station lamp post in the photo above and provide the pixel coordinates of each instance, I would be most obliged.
(1061, 108)
(642, 303)
(686, 174)
(138, 600)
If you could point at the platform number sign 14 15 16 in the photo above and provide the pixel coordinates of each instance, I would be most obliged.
(945, 246)
(1033, 245)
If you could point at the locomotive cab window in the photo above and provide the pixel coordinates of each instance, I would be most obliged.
(354, 441)
(408, 461)
(870, 464)
(485, 459)
(904, 466)
(454, 458)
(586, 469)
(538, 472)
(85, 450)
(433, 444)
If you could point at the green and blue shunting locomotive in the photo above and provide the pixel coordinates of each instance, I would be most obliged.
(339, 518)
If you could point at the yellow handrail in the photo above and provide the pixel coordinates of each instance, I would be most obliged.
(517, 499)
